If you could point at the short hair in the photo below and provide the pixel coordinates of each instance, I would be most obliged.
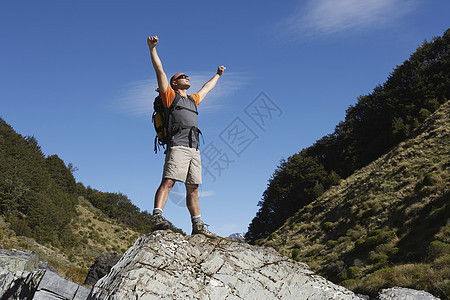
(173, 78)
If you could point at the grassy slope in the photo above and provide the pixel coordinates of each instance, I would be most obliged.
(387, 224)
(95, 231)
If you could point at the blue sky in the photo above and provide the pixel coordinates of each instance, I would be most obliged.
(77, 75)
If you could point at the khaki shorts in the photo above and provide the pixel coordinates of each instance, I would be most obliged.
(183, 164)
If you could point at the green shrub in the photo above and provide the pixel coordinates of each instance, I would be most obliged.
(295, 253)
(382, 248)
(331, 243)
(353, 272)
(355, 233)
(272, 236)
(298, 244)
(393, 251)
(372, 242)
(20, 225)
(328, 226)
(374, 282)
(431, 179)
(380, 260)
(350, 283)
(437, 249)
(344, 239)
(417, 276)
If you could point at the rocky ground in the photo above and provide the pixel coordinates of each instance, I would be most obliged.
(168, 265)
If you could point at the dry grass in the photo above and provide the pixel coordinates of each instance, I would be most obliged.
(95, 233)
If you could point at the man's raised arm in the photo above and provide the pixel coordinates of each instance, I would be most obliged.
(208, 86)
(163, 83)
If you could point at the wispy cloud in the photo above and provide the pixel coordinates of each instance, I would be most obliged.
(206, 193)
(178, 194)
(137, 97)
(317, 18)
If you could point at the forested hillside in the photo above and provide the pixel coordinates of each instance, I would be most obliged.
(375, 124)
(385, 225)
(40, 199)
(37, 193)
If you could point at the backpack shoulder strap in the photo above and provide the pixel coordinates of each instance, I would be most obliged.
(174, 104)
(175, 101)
(195, 104)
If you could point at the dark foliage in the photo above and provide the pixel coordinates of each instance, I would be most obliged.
(38, 194)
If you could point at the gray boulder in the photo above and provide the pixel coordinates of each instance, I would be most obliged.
(168, 265)
(38, 285)
(53, 286)
(15, 260)
(19, 285)
(398, 293)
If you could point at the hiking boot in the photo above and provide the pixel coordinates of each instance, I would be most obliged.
(201, 229)
(159, 223)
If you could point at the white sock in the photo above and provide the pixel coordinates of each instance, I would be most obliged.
(196, 219)
(157, 211)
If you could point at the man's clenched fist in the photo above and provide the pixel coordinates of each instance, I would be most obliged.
(220, 70)
(152, 41)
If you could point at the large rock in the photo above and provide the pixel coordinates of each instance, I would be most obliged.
(398, 293)
(15, 260)
(167, 265)
(101, 267)
(52, 286)
(19, 285)
(38, 285)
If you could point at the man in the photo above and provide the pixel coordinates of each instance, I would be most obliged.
(182, 157)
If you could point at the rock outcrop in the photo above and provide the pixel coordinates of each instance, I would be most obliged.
(398, 293)
(19, 285)
(52, 286)
(38, 285)
(18, 260)
(22, 276)
(167, 265)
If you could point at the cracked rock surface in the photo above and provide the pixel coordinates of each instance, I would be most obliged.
(404, 294)
(168, 265)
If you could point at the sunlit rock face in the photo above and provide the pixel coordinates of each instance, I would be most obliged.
(167, 265)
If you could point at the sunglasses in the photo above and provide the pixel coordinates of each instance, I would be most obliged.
(183, 76)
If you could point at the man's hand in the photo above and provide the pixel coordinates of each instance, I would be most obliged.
(152, 41)
(220, 70)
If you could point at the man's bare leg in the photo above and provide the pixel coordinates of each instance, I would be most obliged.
(163, 192)
(192, 202)
(158, 222)
(193, 205)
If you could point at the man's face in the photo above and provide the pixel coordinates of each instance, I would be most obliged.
(181, 81)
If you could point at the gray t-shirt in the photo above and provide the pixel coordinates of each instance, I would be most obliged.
(185, 115)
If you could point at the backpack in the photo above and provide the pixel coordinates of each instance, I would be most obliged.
(162, 120)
